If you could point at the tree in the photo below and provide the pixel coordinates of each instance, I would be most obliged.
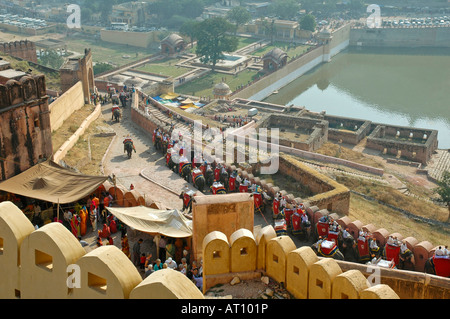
(102, 67)
(444, 188)
(213, 39)
(308, 22)
(285, 9)
(52, 59)
(269, 28)
(239, 15)
(189, 29)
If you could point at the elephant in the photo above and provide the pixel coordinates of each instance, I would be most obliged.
(406, 261)
(158, 142)
(334, 252)
(129, 149)
(209, 177)
(199, 182)
(116, 115)
(185, 171)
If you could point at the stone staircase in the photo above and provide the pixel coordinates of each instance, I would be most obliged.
(160, 116)
(439, 164)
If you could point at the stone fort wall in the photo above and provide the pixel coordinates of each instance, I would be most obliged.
(23, 49)
(401, 37)
(25, 135)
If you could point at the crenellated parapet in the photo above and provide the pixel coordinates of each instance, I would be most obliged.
(26, 89)
(23, 49)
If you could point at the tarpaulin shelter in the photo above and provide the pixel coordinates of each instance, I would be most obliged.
(153, 221)
(170, 223)
(51, 182)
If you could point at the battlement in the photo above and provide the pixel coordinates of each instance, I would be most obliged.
(22, 88)
(22, 49)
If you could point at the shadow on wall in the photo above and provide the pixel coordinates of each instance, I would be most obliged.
(39, 264)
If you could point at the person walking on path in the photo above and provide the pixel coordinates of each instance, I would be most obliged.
(137, 252)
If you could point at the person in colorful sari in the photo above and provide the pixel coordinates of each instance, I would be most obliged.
(83, 217)
(125, 246)
(75, 225)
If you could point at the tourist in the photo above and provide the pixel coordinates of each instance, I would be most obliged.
(83, 217)
(158, 265)
(182, 269)
(171, 263)
(106, 200)
(110, 241)
(105, 232)
(170, 249)
(149, 270)
(186, 255)
(196, 279)
(184, 264)
(99, 242)
(93, 218)
(148, 262)
(125, 245)
(162, 248)
(137, 252)
(142, 261)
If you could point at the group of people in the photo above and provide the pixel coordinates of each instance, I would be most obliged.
(85, 216)
(442, 252)
(173, 254)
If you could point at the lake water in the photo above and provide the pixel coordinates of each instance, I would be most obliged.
(406, 87)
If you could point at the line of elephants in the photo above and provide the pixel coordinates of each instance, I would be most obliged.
(361, 250)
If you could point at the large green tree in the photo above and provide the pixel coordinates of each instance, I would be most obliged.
(285, 9)
(189, 29)
(213, 38)
(239, 15)
(308, 22)
(52, 59)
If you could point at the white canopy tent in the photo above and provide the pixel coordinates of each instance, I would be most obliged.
(170, 223)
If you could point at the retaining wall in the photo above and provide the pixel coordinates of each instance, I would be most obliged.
(63, 107)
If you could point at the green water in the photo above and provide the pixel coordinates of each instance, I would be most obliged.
(406, 87)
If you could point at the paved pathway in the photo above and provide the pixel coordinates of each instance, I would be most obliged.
(146, 170)
(128, 171)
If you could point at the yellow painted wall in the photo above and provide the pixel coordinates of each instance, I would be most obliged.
(50, 263)
(225, 213)
(65, 105)
(299, 263)
(243, 251)
(35, 264)
(14, 229)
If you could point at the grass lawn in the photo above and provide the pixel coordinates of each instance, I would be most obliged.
(203, 86)
(108, 52)
(291, 51)
(166, 67)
